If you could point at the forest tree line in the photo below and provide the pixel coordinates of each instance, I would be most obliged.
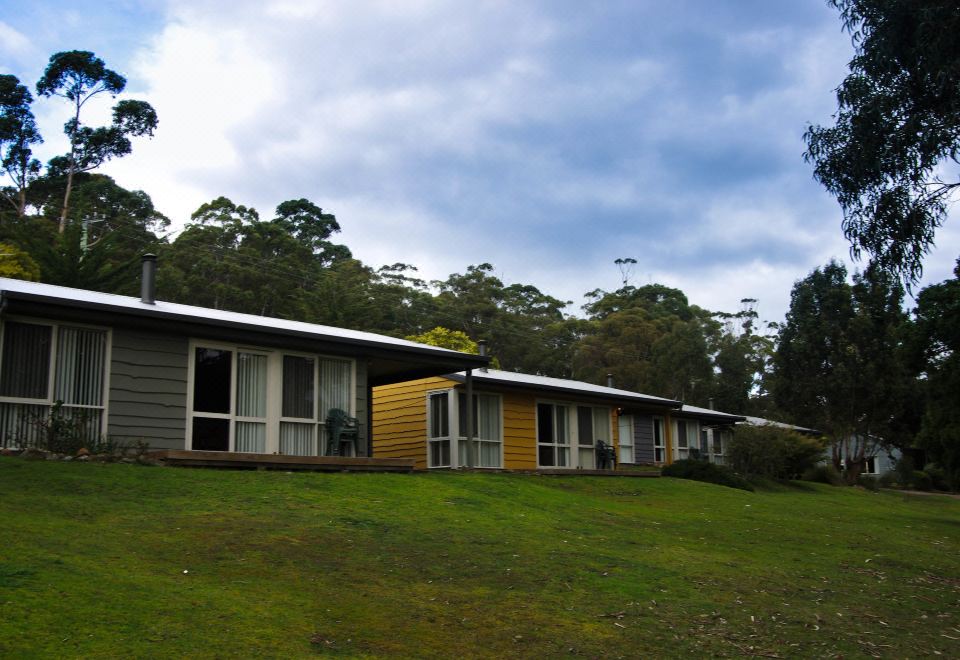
(847, 360)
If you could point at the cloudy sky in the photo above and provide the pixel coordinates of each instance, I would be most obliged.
(545, 137)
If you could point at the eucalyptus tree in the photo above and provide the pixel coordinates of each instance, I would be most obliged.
(78, 76)
(18, 133)
(897, 124)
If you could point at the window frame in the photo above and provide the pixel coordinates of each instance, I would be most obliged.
(453, 436)
(573, 431)
(621, 445)
(692, 436)
(54, 349)
(658, 422)
(274, 395)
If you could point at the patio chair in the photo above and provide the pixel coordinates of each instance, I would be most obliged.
(606, 456)
(342, 429)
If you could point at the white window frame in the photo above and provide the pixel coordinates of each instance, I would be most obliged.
(573, 431)
(453, 436)
(274, 402)
(657, 422)
(49, 400)
(692, 438)
(719, 438)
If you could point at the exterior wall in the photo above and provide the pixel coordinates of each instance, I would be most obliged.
(361, 409)
(400, 419)
(148, 389)
(519, 432)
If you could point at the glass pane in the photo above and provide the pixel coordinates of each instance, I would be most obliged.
(682, 435)
(585, 426)
(545, 424)
(297, 439)
(658, 433)
(601, 425)
(211, 434)
(488, 417)
(563, 457)
(440, 453)
(211, 380)
(563, 433)
(20, 424)
(489, 454)
(251, 437)
(25, 369)
(587, 457)
(80, 362)
(439, 416)
(335, 378)
(298, 392)
(251, 386)
(545, 456)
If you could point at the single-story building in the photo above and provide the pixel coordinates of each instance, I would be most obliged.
(527, 422)
(182, 377)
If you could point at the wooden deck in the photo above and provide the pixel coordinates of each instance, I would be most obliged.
(230, 459)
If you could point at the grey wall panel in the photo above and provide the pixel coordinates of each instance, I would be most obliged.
(643, 439)
(148, 389)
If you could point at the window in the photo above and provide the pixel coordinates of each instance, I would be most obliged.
(45, 363)
(870, 465)
(685, 437)
(625, 425)
(560, 425)
(263, 401)
(721, 438)
(487, 435)
(553, 435)
(659, 441)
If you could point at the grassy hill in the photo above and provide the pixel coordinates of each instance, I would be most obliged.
(125, 560)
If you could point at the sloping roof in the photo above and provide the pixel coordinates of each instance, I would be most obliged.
(562, 386)
(19, 292)
(760, 421)
(713, 415)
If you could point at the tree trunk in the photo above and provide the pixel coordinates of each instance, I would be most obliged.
(66, 196)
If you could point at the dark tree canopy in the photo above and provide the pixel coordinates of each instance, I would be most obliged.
(18, 133)
(898, 120)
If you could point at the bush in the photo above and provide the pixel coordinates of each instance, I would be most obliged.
(887, 479)
(921, 480)
(824, 474)
(773, 452)
(938, 476)
(868, 481)
(704, 471)
(904, 469)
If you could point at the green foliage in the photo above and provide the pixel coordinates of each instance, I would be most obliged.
(898, 120)
(66, 431)
(868, 481)
(18, 134)
(705, 471)
(455, 340)
(920, 480)
(17, 264)
(772, 452)
(824, 474)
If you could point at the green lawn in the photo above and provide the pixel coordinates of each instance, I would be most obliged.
(125, 560)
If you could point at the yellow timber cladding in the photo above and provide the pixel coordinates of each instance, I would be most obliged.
(400, 421)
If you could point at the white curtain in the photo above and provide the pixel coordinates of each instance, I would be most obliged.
(80, 362)
(18, 424)
(297, 439)
(251, 437)
(251, 385)
(335, 377)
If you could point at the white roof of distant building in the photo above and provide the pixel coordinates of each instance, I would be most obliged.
(709, 412)
(510, 378)
(760, 421)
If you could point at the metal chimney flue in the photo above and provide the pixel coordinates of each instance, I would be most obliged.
(148, 280)
(610, 381)
(482, 350)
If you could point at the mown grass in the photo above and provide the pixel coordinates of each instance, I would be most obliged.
(124, 560)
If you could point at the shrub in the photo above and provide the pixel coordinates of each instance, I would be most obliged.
(938, 476)
(773, 452)
(887, 479)
(824, 474)
(904, 469)
(868, 481)
(704, 471)
(921, 480)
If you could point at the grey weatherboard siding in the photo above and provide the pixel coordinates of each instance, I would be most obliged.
(643, 439)
(148, 389)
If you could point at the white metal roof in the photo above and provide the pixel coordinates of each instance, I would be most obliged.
(510, 378)
(760, 421)
(708, 412)
(115, 303)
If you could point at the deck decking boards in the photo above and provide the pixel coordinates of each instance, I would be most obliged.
(279, 462)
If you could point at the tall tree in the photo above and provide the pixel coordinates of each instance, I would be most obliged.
(78, 76)
(898, 120)
(18, 133)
